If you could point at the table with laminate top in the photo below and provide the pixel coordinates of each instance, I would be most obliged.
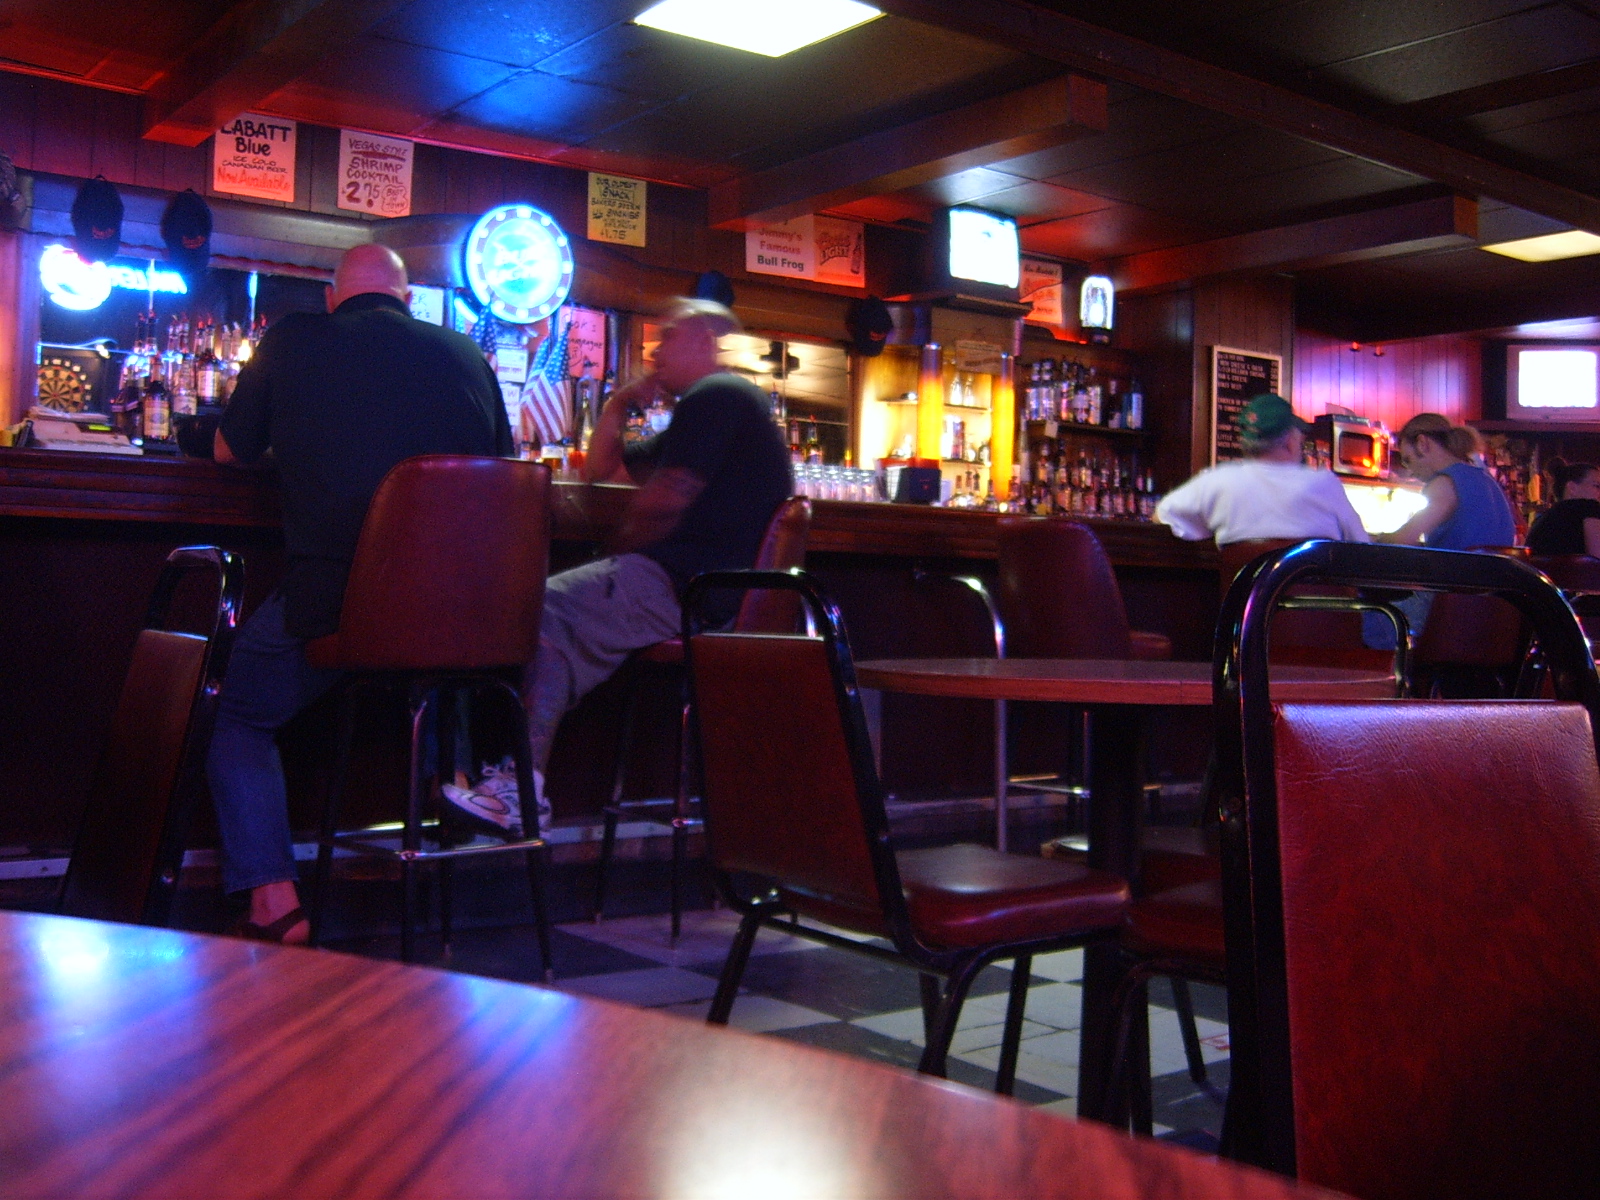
(147, 1062)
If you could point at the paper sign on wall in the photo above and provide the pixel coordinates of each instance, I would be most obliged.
(822, 249)
(253, 155)
(586, 343)
(374, 174)
(1041, 287)
(617, 209)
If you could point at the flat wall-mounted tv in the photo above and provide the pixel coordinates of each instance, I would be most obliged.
(1553, 382)
(976, 253)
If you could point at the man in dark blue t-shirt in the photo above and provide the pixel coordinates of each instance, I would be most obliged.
(339, 398)
(708, 485)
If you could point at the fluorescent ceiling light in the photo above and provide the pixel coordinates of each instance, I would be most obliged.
(1574, 243)
(770, 27)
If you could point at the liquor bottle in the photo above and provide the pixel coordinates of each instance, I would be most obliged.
(155, 404)
(813, 444)
(1134, 417)
(205, 365)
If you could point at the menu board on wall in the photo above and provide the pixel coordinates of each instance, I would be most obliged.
(822, 249)
(1237, 376)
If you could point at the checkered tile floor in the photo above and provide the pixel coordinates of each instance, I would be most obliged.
(852, 1004)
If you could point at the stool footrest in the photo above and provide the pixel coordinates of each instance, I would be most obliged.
(357, 840)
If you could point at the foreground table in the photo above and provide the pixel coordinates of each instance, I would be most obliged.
(1118, 692)
(144, 1062)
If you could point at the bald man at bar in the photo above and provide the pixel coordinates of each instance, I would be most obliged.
(338, 398)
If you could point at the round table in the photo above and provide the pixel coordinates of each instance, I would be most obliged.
(140, 1061)
(1117, 692)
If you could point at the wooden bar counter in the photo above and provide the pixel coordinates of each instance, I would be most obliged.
(82, 538)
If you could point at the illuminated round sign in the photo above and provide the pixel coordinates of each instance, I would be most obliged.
(83, 286)
(519, 263)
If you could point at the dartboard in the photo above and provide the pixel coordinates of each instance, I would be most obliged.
(62, 385)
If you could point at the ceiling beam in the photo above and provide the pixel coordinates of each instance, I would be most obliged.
(1032, 29)
(1438, 223)
(1333, 316)
(1503, 93)
(891, 160)
(255, 48)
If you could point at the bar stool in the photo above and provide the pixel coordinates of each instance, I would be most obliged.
(444, 599)
(783, 547)
(1057, 597)
(129, 850)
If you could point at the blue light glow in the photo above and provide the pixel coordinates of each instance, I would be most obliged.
(519, 263)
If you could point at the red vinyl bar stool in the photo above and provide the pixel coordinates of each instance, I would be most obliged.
(444, 599)
(1057, 597)
(796, 829)
(783, 547)
(129, 851)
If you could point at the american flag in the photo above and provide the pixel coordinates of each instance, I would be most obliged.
(544, 396)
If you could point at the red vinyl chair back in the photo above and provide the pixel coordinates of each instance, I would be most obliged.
(1441, 938)
(782, 548)
(129, 849)
(1304, 637)
(450, 569)
(1058, 595)
(782, 790)
(1412, 896)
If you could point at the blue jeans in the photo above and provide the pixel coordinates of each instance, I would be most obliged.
(268, 682)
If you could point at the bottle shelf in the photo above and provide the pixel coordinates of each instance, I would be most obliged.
(1042, 429)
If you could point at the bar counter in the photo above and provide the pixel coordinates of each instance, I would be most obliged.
(106, 487)
(82, 537)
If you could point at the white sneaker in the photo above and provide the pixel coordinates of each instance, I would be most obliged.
(494, 800)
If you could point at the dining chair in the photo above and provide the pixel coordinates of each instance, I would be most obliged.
(797, 833)
(129, 850)
(782, 546)
(1381, 855)
(444, 600)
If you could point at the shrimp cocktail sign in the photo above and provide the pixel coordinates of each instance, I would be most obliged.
(253, 155)
(374, 174)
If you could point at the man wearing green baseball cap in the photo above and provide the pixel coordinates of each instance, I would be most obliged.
(1270, 493)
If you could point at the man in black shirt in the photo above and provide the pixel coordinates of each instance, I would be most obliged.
(709, 484)
(339, 398)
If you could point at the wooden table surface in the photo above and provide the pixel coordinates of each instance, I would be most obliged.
(1102, 681)
(146, 1062)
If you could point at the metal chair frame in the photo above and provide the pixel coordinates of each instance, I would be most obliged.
(959, 968)
(426, 693)
(1260, 1127)
(189, 779)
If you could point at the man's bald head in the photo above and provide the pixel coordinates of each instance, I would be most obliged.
(368, 268)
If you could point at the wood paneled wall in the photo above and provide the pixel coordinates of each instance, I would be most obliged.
(1254, 313)
(1437, 374)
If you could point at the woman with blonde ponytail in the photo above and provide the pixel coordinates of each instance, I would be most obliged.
(1466, 507)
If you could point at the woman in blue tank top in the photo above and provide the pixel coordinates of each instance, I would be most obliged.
(1466, 507)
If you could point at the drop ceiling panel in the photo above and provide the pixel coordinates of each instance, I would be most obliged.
(648, 62)
(1549, 36)
(518, 32)
(386, 85)
(533, 104)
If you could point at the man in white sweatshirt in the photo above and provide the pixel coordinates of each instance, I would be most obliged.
(1269, 493)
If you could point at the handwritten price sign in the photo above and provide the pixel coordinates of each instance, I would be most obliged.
(374, 174)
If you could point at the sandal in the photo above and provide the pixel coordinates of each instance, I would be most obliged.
(273, 932)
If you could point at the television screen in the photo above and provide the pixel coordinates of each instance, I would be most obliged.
(984, 247)
(1553, 383)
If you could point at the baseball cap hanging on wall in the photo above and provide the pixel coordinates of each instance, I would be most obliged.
(13, 207)
(97, 220)
(714, 285)
(870, 324)
(186, 229)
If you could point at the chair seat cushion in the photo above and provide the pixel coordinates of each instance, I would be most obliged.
(1149, 647)
(1184, 922)
(965, 896)
(667, 653)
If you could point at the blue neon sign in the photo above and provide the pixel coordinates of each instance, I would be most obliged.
(519, 263)
(83, 286)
